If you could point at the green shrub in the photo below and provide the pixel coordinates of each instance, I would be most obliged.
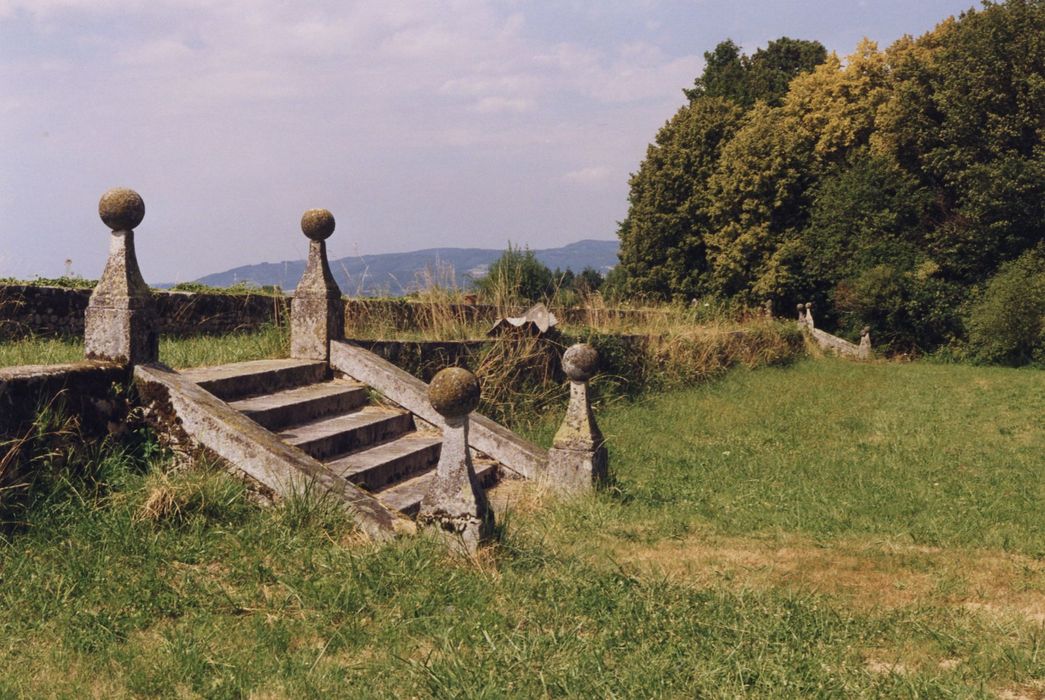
(517, 276)
(1007, 322)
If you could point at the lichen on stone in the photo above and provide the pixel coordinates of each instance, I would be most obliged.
(121, 209)
(317, 224)
(454, 392)
(580, 362)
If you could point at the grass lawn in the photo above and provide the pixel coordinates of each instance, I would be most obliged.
(830, 529)
(269, 342)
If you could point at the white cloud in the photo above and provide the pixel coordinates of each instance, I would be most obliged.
(494, 105)
(228, 116)
(591, 175)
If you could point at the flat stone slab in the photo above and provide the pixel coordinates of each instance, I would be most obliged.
(302, 404)
(327, 437)
(242, 379)
(406, 496)
(391, 461)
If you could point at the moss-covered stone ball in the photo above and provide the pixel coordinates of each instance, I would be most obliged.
(317, 224)
(454, 392)
(580, 362)
(121, 209)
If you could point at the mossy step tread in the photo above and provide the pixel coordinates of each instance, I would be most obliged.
(390, 461)
(406, 496)
(302, 404)
(241, 379)
(341, 434)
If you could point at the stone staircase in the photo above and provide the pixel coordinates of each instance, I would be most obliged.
(335, 420)
(357, 436)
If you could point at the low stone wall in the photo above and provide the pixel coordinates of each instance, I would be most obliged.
(423, 358)
(82, 400)
(59, 312)
(28, 310)
(394, 315)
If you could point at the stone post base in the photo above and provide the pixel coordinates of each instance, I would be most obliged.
(462, 533)
(577, 470)
(314, 322)
(127, 336)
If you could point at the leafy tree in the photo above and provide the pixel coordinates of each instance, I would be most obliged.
(588, 281)
(864, 213)
(517, 276)
(663, 252)
(758, 205)
(763, 76)
(966, 117)
(1007, 322)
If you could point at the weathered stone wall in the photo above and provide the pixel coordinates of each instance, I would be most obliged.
(423, 358)
(53, 311)
(57, 311)
(81, 400)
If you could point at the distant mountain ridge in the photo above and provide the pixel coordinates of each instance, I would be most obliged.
(396, 274)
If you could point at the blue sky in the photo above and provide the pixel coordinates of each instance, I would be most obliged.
(418, 124)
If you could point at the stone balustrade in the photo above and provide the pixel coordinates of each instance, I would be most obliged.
(317, 313)
(578, 458)
(120, 322)
(831, 342)
(456, 506)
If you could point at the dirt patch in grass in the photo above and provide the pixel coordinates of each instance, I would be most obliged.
(865, 574)
(1030, 691)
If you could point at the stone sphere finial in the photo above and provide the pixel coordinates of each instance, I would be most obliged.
(866, 330)
(580, 362)
(317, 224)
(801, 307)
(121, 209)
(454, 392)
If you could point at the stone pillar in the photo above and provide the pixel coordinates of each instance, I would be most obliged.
(317, 312)
(809, 315)
(456, 504)
(578, 459)
(120, 323)
(864, 353)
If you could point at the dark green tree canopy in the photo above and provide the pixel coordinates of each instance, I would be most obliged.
(762, 76)
(888, 186)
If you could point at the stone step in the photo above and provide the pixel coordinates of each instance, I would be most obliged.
(406, 496)
(339, 435)
(383, 464)
(302, 404)
(243, 379)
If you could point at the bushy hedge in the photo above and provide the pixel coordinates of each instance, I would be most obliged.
(1007, 322)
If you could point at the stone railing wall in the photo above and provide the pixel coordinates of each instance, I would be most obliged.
(833, 343)
(55, 311)
(27, 309)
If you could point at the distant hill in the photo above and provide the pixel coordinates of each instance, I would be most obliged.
(395, 274)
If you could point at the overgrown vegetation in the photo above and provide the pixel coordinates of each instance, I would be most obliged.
(776, 534)
(887, 187)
